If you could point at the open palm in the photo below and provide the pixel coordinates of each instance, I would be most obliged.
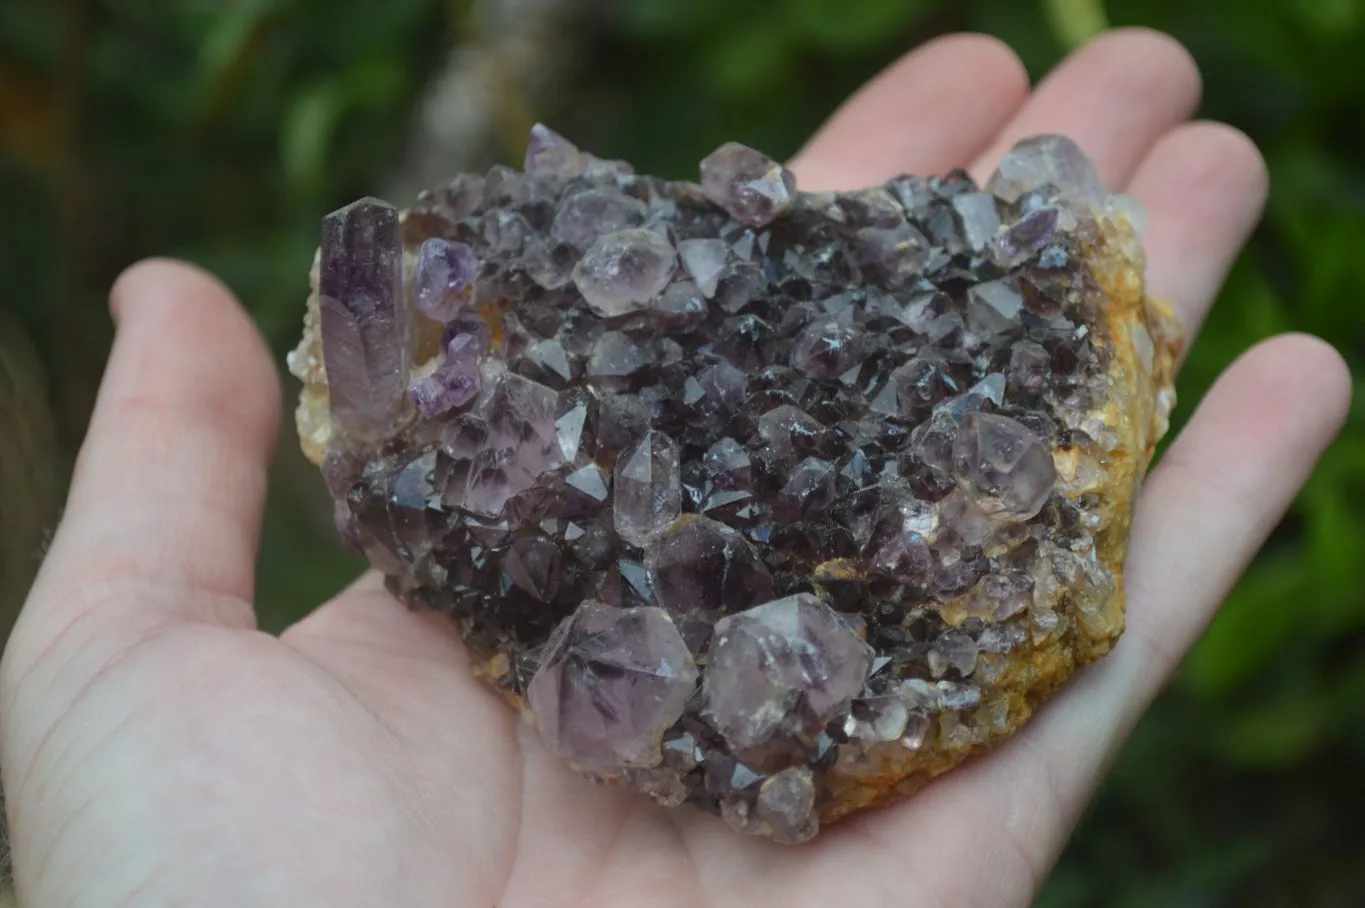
(158, 749)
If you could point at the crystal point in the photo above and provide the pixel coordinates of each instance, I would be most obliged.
(648, 489)
(623, 271)
(791, 662)
(751, 187)
(612, 681)
(365, 320)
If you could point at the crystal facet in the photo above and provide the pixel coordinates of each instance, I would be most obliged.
(611, 682)
(624, 270)
(785, 667)
(366, 325)
(443, 281)
(751, 187)
(648, 489)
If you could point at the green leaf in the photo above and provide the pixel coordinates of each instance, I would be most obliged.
(841, 24)
(1075, 22)
(1254, 622)
(652, 18)
(1332, 533)
(306, 134)
(226, 52)
(748, 61)
(1329, 19)
(1276, 732)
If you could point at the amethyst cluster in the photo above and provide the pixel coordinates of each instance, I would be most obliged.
(774, 503)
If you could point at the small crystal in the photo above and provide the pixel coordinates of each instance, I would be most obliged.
(551, 154)
(617, 356)
(623, 271)
(953, 651)
(999, 597)
(789, 431)
(826, 349)
(1031, 233)
(443, 282)
(587, 215)
(456, 380)
(993, 308)
(786, 806)
(702, 565)
(1005, 468)
(979, 216)
(705, 261)
(648, 489)
(682, 304)
(810, 490)
(1048, 161)
(751, 187)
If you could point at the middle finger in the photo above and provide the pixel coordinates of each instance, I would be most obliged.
(1115, 98)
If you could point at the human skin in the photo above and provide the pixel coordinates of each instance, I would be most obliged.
(157, 749)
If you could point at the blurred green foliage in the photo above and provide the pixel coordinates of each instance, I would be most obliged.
(221, 131)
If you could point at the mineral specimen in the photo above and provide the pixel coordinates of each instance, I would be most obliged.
(775, 503)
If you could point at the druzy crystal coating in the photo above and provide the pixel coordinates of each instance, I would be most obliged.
(777, 504)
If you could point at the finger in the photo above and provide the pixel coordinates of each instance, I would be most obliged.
(170, 482)
(1115, 97)
(1206, 509)
(1204, 186)
(933, 109)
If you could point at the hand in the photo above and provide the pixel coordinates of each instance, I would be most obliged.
(158, 749)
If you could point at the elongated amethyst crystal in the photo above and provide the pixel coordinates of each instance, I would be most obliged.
(366, 329)
(771, 503)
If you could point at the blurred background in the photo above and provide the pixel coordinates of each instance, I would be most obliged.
(222, 131)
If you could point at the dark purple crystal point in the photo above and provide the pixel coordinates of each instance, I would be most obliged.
(365, 323)
(612, 681)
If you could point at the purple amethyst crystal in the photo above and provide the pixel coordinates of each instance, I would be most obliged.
(624, 270)
(551, 154)
(756, 500)
(648, 489)
(1054, 164)
(443, 281)
(611, 682)
(584, 216)
(455, 381)
(703, 565)
(751, 187)
(366, 325)
(783, 668)
(1005, 468)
